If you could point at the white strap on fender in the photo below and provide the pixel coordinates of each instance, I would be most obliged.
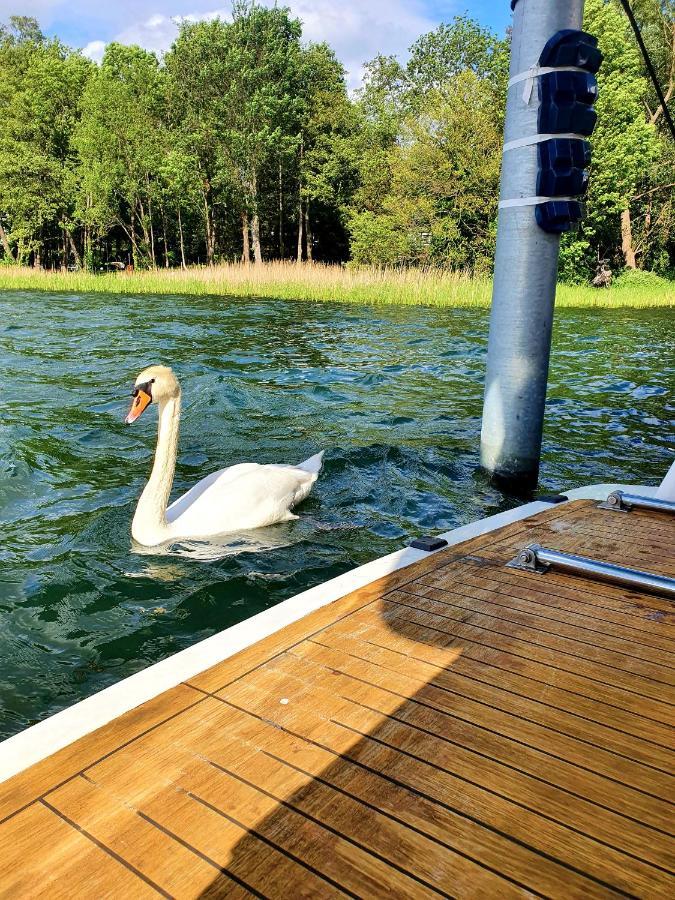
(534, 72)
(531, 201)
(539, 139)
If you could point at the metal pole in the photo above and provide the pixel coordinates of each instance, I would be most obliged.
(526, 269)
(539, 559)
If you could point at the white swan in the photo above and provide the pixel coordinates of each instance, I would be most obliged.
(238, 498)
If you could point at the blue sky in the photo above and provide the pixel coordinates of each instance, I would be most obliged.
(357, 29)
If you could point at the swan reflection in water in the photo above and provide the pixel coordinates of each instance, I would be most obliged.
(259, 540)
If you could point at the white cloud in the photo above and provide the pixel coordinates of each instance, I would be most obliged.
(358, 31)
(355, 29)
(155, 33)
(94, 50)
(159, 31)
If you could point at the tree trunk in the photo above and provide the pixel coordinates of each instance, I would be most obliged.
(182, 242)
(308, 232)
(255, 222)
(147, 238)
(134, 243)
(246, 251)
(5, 244)
(86, 247)
(281, 216)
(210, 231)
(255, 238)
(301, 225)
(166, 245)
(627, 240)
(152, 236)
(73, 247)
(301, 220)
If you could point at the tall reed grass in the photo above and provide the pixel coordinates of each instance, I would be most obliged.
(319, 283)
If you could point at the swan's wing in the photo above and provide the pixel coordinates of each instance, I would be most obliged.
(221, 477)
(241, 497)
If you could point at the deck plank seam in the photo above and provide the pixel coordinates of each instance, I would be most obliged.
(498, 708)
(534, 602)
(40, 797)
(532, 810)
(270, 843)
(491, 615)
(527, 697)
(311, 818)
(624, 525)
(600, 590)
(607, 518)
(547, 685)
(619, 527)
(127, 865)
(660, 543)
(534, 583)
(497, 734)
(402, 822)
(456, 812)
(449, 634)
(278, 653)
(203, 856)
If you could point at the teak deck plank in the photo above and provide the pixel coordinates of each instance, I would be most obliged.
(473, 581)
(43, 855)
(483, 713)
(475, 753)
(409, 765)
(168, 864)
(500, 692)
(456, 728)
(30, 784)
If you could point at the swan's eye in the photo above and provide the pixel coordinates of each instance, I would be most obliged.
(143, 388)
(142, 397)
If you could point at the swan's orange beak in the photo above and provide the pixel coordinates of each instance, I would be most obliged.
(141, 400)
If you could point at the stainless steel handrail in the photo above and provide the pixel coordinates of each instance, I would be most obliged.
(619, 500)
(536, 558)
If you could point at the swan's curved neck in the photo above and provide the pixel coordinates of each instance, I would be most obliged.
(150, 525)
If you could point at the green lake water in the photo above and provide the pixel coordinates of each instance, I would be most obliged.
(392, 394)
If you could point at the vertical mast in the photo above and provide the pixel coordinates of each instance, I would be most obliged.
(526, 266)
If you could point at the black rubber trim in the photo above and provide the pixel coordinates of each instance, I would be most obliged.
(429, 544)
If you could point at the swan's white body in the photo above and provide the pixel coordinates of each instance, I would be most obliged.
(238, 498)
(666, 490)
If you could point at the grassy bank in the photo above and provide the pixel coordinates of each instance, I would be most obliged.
(285, 280)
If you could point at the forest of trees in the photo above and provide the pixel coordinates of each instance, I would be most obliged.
(242, 142)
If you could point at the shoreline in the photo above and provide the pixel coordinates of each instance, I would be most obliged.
(323, 283)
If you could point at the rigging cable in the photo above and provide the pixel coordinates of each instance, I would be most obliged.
(650, 67)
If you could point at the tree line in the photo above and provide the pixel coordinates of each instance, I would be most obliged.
(243, 142)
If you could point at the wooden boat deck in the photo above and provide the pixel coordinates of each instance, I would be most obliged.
(457, 729)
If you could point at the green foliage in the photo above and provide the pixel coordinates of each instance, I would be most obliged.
(450, 50)
(242, 141)
(430, 152)
(119, 140)
(378, 239)
(631, 159)
(639, 278)
(38, 101)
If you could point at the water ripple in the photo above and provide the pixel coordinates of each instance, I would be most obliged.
(393, 395)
